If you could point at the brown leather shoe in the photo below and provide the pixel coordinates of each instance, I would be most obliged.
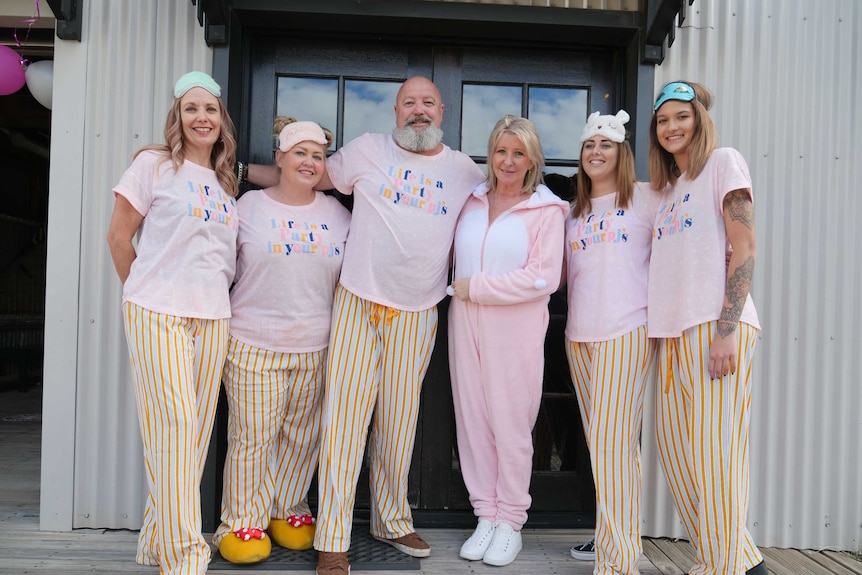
(332, 563)
(411, 544)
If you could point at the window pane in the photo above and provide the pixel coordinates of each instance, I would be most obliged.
(483, 165)
(559, 115)
(368, 107)
(313, 99)
(482, 107)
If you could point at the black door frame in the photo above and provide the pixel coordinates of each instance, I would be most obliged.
(466, 25)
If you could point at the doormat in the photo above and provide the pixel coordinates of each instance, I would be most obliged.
(365, 554)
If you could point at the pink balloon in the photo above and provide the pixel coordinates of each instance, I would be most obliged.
(11, 74)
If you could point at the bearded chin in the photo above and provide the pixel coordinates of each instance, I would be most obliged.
(418, 140)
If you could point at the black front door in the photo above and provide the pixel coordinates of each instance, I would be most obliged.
(350, 88)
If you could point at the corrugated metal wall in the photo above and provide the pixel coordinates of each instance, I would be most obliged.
(133, 57)
(787, 77)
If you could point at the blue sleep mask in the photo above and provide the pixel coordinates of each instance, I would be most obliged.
(674, 91)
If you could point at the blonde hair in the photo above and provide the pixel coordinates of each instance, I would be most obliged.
(282, 121)
(525, 131)
(625, 181)
(662, 166)
(223, 155)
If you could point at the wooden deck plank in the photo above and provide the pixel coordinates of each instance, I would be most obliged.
(658, 558)
(792, 562)
(546, 551)
(846, 560)
(679, 551)
(827, 562)
(777, 565)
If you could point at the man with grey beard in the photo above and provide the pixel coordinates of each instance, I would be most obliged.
(418, 140)
(408, 190)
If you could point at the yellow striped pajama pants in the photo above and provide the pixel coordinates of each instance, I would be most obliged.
(377, 361)
(274, 400)
(702, 431)
(610, 380)
(177, 364)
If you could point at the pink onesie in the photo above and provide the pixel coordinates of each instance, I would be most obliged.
(496, 344)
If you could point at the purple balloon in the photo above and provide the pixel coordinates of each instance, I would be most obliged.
(11, 73)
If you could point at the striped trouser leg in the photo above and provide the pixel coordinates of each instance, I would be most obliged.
(370, 345)
(702, 434)
(177, 365)
(408, 340)
(349, 396)
(610, 380)
(274, 403)
(299, 437)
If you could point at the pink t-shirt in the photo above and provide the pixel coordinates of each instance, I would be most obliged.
(690, 250)
(186, 251)
(405, 209)
(289, 259)
(607, 266)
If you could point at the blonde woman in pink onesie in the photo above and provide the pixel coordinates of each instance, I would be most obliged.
(608, 241)
(702, 315)
(289, 254)
(178, 199)
(508, 257)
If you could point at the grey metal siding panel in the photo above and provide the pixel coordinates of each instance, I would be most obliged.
(135, 52)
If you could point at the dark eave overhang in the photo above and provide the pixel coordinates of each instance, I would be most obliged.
(660, 15)
(68, 14)
(456, 20)
(460, 21)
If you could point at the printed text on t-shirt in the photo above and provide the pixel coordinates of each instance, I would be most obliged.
(212, 205)
(597, 229)
(672, 219)
(408, 188)
(301, 238)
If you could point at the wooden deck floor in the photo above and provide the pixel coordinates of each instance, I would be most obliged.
(26, 550)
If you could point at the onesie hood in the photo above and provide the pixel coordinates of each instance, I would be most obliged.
(543, 196)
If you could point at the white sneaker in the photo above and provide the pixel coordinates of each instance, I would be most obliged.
(585, 551)
(505, 546)
(474, 548)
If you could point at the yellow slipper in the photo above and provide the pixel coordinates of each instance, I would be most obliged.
(245, 546)
(296, 532)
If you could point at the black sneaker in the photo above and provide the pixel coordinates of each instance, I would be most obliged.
(585, 551)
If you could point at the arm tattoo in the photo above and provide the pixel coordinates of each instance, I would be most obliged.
(725, 327)
(739, 207)
(736, 291)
